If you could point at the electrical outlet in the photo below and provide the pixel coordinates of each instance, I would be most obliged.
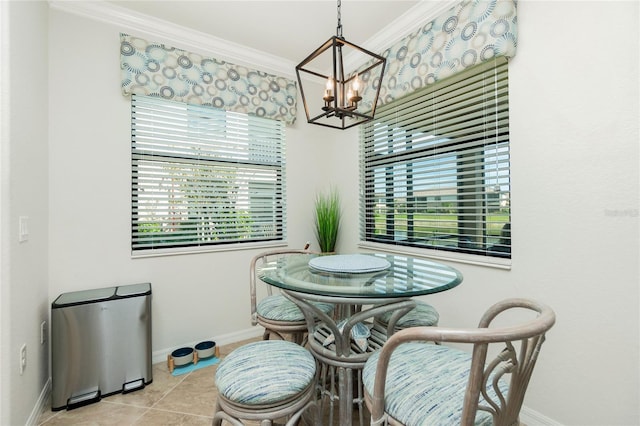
(23, 228)
(23, 358)
(43, 332)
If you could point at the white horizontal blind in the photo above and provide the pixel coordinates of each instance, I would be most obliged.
(203, 176)
(435, 166)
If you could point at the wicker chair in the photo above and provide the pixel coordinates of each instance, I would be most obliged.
(411, 381)
(277, 314)
(264, 381)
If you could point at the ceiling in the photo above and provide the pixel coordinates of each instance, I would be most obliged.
(286, 29)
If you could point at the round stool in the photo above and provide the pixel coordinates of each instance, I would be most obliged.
(264, 381)
(423, 315)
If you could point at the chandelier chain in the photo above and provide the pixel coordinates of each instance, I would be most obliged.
(339, 29)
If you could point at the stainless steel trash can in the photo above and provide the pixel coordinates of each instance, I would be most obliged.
(100, 344)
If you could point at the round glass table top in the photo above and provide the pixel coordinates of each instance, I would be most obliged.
(359, 275)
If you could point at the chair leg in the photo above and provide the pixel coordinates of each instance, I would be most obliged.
(359, 398)
(297, 338)
(220, 415)
(327, 389)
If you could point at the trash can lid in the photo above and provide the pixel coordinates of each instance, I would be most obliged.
(133, 290)
(101, 294)
(84, 296)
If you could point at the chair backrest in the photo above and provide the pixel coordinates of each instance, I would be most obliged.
(254, 266)
(520, 348)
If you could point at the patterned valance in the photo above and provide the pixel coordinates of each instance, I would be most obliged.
(154, 69)
(471, 32)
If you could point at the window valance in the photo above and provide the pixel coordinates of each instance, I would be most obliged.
(154, 69)
(469, 33)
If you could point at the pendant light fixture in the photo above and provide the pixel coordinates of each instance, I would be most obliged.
(333, 97)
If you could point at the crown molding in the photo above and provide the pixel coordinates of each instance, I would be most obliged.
(186, 38)
(417, 16)
(176, 35)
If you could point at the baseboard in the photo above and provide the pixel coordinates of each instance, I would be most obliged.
(40, 404)
(531, 417)
(224, 339)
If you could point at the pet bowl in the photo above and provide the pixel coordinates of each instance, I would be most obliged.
(182, 356)
(206, 349)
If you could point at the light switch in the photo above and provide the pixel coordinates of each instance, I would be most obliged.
(23, 231)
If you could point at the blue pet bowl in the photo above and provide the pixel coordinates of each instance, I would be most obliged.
(182, 356)
(206, 349)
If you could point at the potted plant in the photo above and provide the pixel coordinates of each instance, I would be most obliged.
(327, 220)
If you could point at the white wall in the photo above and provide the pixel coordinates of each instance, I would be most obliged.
(24, 288)
(195, 296)
(574, 128)
(575, 185)
(578, 127)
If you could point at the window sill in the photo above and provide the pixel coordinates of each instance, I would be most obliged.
(179, 251)
(469, 259)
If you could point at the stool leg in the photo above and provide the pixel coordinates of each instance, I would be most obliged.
(311, 407)
(216, 420)
(345, 392)
(326, 383)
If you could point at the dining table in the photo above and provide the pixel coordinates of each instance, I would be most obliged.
(362, 287)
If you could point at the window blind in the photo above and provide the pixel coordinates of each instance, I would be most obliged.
(435, 166)
(203, 176)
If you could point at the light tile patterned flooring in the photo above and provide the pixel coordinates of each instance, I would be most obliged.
(187, 400)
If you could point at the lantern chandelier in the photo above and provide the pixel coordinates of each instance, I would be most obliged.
(335, 98)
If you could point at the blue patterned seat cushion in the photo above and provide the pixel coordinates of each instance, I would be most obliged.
(279, 308)
(265, 372)
(426, 384)
(422, 315)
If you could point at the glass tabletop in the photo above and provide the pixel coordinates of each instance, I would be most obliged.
(359, 275)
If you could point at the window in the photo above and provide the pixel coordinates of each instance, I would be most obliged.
(204, 177)
(435, 167)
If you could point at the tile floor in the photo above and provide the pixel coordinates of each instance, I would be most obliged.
(188, 399)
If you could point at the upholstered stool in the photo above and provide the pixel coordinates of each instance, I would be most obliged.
(264, 381)
(423, 315)
(279, 308)
(279, 315)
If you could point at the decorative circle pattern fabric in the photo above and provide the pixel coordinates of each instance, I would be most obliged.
(154, 69)
(423, 315)
(426, 384)
(265, 372)
(279, 308)
(471, 32)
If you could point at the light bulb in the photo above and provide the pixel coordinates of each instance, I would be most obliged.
(328, 93)
(356, 84)
(329, 85)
